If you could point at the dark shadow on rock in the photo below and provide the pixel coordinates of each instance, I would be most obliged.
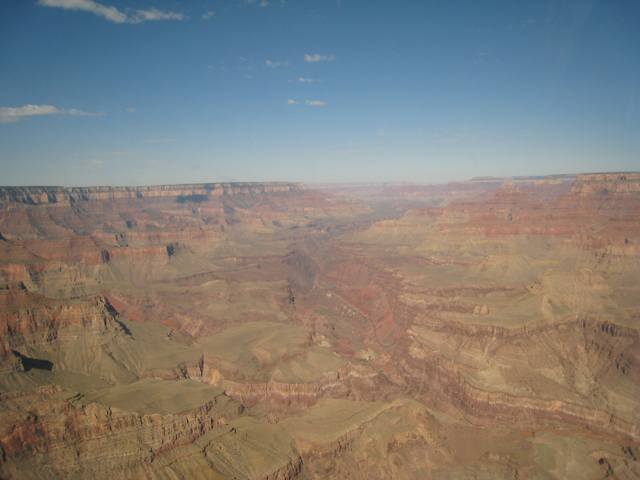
(34, 363)
(124, 327)
(191, 198)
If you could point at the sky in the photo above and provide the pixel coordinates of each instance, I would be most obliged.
(151, 92)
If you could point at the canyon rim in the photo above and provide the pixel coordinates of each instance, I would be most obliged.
(479, 329)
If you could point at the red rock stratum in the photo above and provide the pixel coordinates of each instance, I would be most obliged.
(479, 329)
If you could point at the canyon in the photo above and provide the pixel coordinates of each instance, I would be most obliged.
(480, 329)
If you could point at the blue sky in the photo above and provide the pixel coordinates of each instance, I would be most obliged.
(143, 92)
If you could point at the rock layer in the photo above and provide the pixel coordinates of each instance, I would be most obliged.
(487, 328)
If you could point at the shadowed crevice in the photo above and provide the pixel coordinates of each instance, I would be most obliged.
(33, 363)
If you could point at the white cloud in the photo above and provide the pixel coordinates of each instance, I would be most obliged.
(381, 133)
(291, 102)
(264, 3)
(8, 114)
(159, 140)
(271, 64)
(308, 80)
(112, 13)
(319, 58)
(315, 102)
(131, 110)
(208, 15)
(154, 14)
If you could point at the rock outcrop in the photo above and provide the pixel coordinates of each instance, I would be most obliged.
(480, 329)
(28, 319)
(52, 434)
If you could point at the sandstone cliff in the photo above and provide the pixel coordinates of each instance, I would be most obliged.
(480, 329)
(191, 192)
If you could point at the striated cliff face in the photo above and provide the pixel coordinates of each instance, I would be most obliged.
(27, 319)
(499, 308)
(184, 193)
(480, 329)
(607, 184)
(52, 434)
(501, 374)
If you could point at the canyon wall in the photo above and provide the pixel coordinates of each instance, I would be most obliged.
(487, 328)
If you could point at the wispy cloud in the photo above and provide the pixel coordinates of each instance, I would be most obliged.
(161, 140)
(154, 14)
(315, 102)
(208, 15)
(381, 133)
(318, 58)
(9, 115)
(112, 13)
(263, 3)
(131, 110)
(291, 102)
(271, 64)
(308, 80)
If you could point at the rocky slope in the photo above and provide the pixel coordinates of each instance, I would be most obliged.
(483, 329)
